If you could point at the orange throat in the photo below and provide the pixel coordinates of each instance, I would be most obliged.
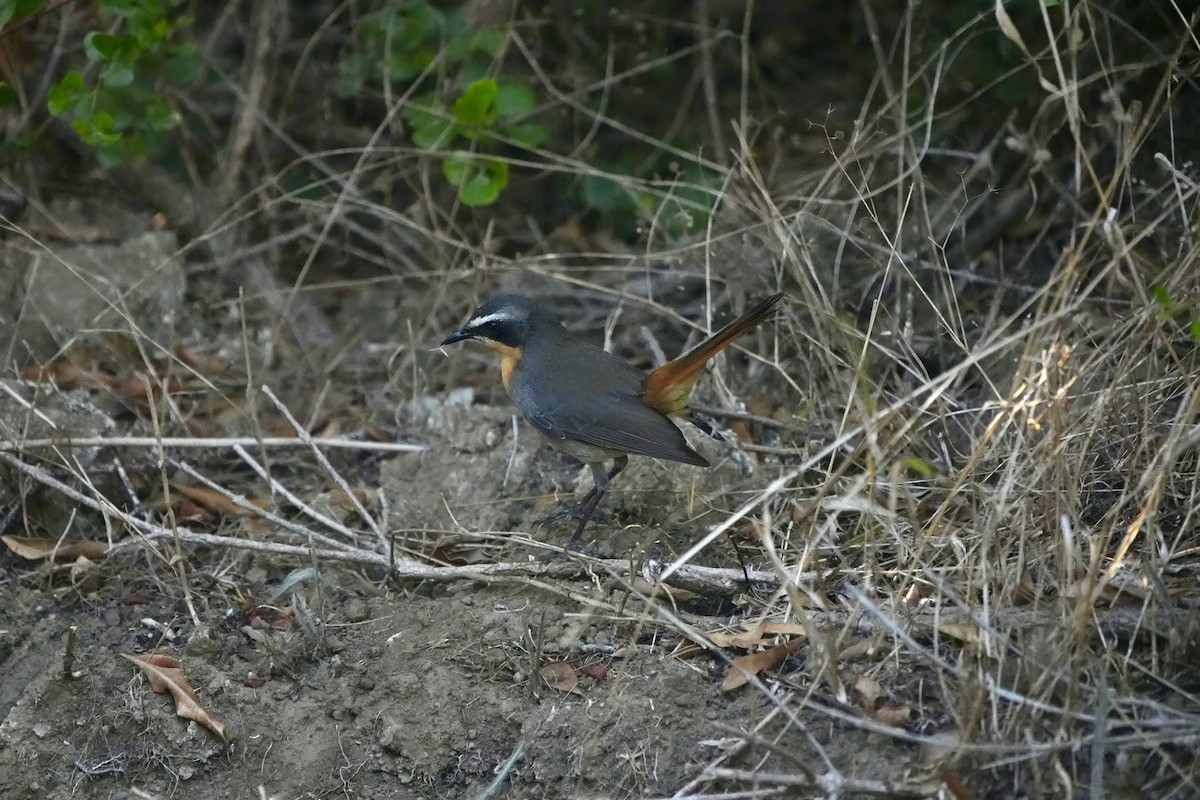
(509, 356)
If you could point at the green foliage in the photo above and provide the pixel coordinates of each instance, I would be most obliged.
(486, 114)
(18, 9)
(475, 117)
(676, 200)
(1172, 310)
(116, 104)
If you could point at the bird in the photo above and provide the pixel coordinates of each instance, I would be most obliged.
(589, 403)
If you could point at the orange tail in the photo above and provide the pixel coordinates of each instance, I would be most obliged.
(666, 389)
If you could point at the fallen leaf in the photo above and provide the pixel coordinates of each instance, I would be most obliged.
(868, 691)
(745, 638)
(965, 632)
(189, 511)
(745, 667)
(212, 499)
(166, 675)
(597, 672)
(339, 498)
(870, 698)
(896, 716)
(561, 675)
(752, 635)
(955, 784)
(34, 548)
(870, 647)
(68, 376)
(200, 362)
(141, 388)
(1025, 592)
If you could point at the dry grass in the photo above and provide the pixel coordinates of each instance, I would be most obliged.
(1003, 487)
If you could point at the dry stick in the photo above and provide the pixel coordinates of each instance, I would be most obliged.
(212, 443)
(830, 784)
(693, 578)
(287, 494)
(351, 497)
(241, 502)
(705, 580)
(254, 100)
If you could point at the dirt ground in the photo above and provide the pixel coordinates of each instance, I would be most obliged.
(406, 689)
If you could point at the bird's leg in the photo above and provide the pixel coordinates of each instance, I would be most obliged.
(600, 479)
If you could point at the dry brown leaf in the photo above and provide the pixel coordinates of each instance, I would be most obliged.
(209, 498)
(744, 667)
(1025, 592)
(673, 593)
(362, 494)
(561, 675)
(749, 636)
(870, 698)
(34, 548)
(66, 375)
(166, 675)
(745, 638)
(597, 672)
(954, 782)
(896, 716)
(200, 362)
(1124, 593)
(966, 632)
(871, 647)
(868, 692)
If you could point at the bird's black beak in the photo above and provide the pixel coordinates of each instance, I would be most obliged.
(457, 336)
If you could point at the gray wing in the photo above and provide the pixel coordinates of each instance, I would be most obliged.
(636, 429)
(600, 407)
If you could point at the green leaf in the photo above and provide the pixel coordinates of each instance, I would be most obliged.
(436, 133)
(920, 466)
(530, 134)
(484, 40)
(479, 191)
(18, 9)
(456, 166)
(477, 106)
(115, 75)
(1195, 330)
(72, 82)
(101, 46)
(1162, 296)
(605, 195)
(58, 100)
(479, 180)
(431, 125)
(514, 99)
(160, 116)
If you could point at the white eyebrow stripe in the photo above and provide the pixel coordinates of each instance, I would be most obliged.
(486, 318)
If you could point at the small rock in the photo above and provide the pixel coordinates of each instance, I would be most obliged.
(356, 611)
